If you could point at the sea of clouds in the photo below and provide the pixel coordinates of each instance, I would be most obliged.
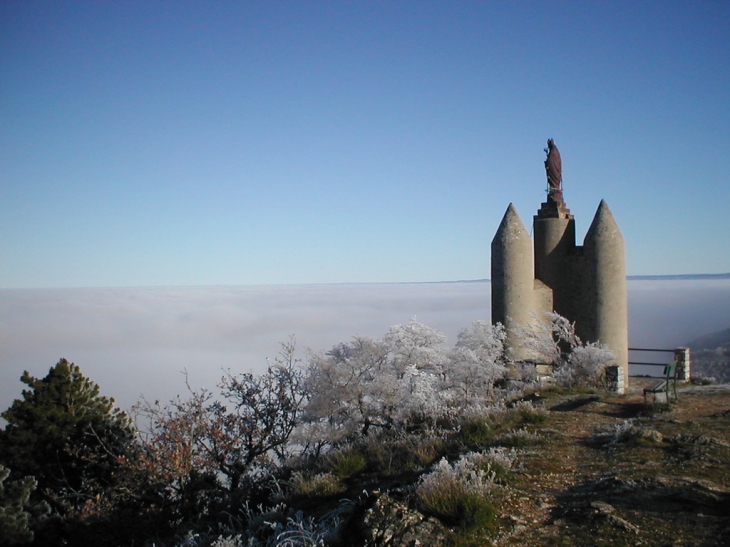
(139, 341)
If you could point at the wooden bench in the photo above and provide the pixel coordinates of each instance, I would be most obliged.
(669, 382)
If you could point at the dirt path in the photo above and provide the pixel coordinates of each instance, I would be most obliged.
(612, 471)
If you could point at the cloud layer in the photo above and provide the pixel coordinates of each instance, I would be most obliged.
(135, 341)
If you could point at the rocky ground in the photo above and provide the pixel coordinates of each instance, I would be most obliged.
(608, 470)
(615, 471)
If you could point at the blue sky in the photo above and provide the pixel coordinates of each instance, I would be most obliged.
(232, 143)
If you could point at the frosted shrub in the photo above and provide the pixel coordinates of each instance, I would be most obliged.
(495, 456)
(269, 528)
(476, 412)
(403, 380)
(540, 340)
(371, 383)
(547, 337)
(301, 531)
(529, 413)
(420, 395)
(627, 431)
(611, 434)
(499, 460)
(585, 365)
(348, 389)
(417, 345)
(459, 494)
(298, 532)
(476, 363)
(228, 541)
(519, 438)
(554, 341)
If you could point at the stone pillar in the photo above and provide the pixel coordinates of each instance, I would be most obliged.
(512, 281)
(605, 259)
(615, 381)
(554, 232)
(684, 369)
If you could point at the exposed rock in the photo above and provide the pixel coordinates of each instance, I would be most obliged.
(618, 522)
(702, 440)
(694, 493)
(603, 508)
(598, 511)
(391, 523)
(722, 414)
(650, 434)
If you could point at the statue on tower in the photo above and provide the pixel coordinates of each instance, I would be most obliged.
(554, 171)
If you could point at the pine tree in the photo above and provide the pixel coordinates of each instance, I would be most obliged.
(65, 435)
(15, 511)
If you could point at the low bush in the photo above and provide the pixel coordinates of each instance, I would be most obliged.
(497, 460)
(459, 495)
(346, 462)
(321, 484)
(392, 453)
(528, 413)
(628, 432)
(477, 432)
(519, 438)
(381, 454)
(273, 528)
(428, 449)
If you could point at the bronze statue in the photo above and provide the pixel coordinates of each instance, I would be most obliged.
(554, 170)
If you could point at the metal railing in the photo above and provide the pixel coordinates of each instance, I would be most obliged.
(651, 364)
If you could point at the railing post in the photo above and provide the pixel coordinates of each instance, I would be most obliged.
(684, 364)
(615, 380)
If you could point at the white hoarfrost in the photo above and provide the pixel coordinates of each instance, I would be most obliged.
(407, 375)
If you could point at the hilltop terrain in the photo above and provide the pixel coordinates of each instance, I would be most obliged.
(601, 470)
(389, 461)
(614, 471)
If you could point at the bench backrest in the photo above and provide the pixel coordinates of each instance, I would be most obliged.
(670, 371)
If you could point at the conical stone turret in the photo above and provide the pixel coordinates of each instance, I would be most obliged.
(604, 253)
(512, 276)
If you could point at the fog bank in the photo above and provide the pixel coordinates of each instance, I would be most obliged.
(135, 341)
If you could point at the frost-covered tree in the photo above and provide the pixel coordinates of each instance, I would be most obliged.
(376, 383)
(420, 396)
(350, 386)
(476, 362)
(415, 344)
(555, 342)
(548, 338)
(416, 367)
(406, 376)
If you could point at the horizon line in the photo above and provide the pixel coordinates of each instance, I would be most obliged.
(658, 277)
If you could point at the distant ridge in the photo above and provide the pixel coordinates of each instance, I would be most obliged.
(712, 340)
(674, 277)
(629, 277)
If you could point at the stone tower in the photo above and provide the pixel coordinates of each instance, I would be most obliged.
(586, 284)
